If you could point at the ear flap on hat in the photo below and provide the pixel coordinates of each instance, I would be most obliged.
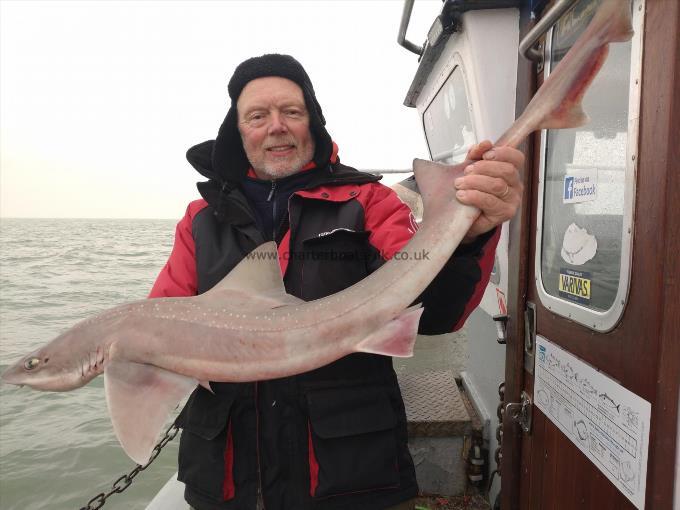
(229, 160)
(322, 140)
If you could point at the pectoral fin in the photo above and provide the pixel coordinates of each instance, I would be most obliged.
(140, 399)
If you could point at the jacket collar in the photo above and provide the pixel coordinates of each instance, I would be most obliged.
(224, 196)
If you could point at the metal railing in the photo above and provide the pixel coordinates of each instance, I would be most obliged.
(527, 45)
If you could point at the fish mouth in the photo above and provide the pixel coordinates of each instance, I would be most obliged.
(9, 376)
(17, 384)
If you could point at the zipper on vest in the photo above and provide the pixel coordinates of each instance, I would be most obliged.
(271, 191)
(269, 199)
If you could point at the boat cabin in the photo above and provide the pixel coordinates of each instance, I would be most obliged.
(575, 350)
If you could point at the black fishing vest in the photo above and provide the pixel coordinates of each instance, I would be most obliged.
(333, 438)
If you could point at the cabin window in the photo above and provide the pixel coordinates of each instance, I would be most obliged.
(447, 121)
(587, 187)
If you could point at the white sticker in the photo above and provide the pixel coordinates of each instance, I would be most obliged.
(579, 186)
(578, 246)
(607, 422)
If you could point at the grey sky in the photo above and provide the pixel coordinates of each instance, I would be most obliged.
(99, 101)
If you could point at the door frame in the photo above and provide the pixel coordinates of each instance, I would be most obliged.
(655, 276)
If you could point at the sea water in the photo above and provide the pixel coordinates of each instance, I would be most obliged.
(58, 450)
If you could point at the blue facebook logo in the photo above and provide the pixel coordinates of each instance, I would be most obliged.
(568, 188)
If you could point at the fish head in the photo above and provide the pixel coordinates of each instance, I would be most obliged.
(49, 368)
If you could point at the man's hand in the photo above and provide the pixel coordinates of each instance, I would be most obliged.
(492, 184)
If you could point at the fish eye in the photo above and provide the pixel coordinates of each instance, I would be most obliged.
(31, 363)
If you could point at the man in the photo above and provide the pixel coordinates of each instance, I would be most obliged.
(333, 438)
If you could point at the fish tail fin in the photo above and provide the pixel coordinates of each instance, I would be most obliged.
(140, 398)
(397, 337)
(619, 18)
(573, 117)
(613, 22)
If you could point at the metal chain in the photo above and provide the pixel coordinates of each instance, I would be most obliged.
(124, 481)
(498, 454)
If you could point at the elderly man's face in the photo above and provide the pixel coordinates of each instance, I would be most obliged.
(274, 126)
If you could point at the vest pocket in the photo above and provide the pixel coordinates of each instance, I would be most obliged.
(206, 447)
(352, 441)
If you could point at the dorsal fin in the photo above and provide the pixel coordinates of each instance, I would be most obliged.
(254, 284)
(435, 183)
(259, 272)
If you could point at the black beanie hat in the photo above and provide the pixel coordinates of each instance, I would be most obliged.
(229, 159)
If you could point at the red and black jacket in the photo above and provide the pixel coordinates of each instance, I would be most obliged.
(333, 438)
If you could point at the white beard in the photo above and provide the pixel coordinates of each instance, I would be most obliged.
(272, 171)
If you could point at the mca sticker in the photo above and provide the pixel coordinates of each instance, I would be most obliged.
(541, 353)
(574, 286)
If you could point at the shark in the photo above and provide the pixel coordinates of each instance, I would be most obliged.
(153, 353)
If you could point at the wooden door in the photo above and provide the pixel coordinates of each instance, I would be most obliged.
(625, 323)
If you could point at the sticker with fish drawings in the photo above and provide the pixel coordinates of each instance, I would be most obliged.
(607, 422)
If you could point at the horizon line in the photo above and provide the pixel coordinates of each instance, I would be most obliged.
(79, 218)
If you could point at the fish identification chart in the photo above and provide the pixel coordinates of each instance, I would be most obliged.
(607, 422)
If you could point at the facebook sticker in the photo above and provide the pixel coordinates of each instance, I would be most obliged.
(580, 186)
(569, 187)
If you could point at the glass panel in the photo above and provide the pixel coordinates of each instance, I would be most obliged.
(448, 127)
(584, 181)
